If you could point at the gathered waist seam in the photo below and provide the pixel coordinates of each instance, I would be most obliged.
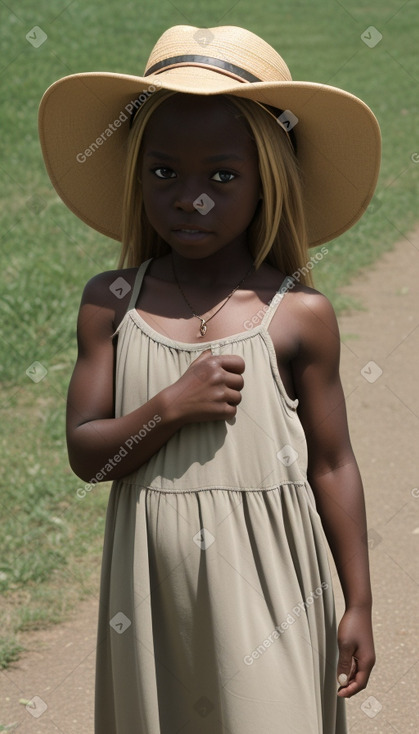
(212, 488)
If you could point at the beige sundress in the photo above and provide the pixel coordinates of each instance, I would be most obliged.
(216, 609)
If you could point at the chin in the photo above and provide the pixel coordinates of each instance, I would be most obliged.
(193, 252)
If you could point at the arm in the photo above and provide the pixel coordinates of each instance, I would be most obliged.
(334, 477)
(209, 390)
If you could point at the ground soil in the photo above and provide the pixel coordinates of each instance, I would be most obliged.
(380, 350)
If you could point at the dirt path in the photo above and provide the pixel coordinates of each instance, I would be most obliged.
(380, 350)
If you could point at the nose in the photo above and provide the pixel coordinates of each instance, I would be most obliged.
(185, 204)
(187, 192)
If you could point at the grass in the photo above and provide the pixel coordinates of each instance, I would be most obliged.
(50, 540)
(9, 652)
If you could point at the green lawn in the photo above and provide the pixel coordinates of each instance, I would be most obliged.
(50, 539)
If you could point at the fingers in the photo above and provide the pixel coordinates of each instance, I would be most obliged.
(346, 665)
(355, 680)
(233, 397)
(356, 651)
(347, 668)
(213, 385)
(229, 362)
(357, 684)
(232, 363)
(229, 371)
(234, 381)
(206, 353)
(227, 367)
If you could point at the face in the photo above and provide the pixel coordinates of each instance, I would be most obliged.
(199, 173)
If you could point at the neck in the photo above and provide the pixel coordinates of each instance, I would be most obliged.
(219, 269)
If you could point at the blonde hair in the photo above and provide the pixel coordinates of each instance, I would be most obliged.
(277, 232)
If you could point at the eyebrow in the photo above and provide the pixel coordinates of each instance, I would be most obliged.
(211, 159)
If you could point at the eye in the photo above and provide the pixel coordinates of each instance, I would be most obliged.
(223, 176)
(162, 172)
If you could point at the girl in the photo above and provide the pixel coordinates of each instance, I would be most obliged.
(207, 386)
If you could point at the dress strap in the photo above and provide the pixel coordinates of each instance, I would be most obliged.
(135, 292)
(138, 283)
(286, 285)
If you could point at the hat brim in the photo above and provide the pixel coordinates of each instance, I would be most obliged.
(84, 126)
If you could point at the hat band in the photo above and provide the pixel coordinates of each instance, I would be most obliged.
(225, 67)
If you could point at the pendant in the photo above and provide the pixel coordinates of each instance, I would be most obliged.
(203, 327)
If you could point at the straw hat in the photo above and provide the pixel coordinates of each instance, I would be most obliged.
(84, 121)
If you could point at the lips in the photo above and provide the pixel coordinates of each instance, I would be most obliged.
(190, 229)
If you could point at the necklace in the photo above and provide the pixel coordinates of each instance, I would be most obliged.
(204, 322)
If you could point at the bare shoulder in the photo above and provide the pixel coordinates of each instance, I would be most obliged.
(108, 294)
(105, 287)
(304, 328)
(313, 307)
(315, 325)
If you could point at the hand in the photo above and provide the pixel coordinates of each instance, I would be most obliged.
(356, 650)
(209, 389)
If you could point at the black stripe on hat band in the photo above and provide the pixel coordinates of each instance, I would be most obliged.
(225, 66)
